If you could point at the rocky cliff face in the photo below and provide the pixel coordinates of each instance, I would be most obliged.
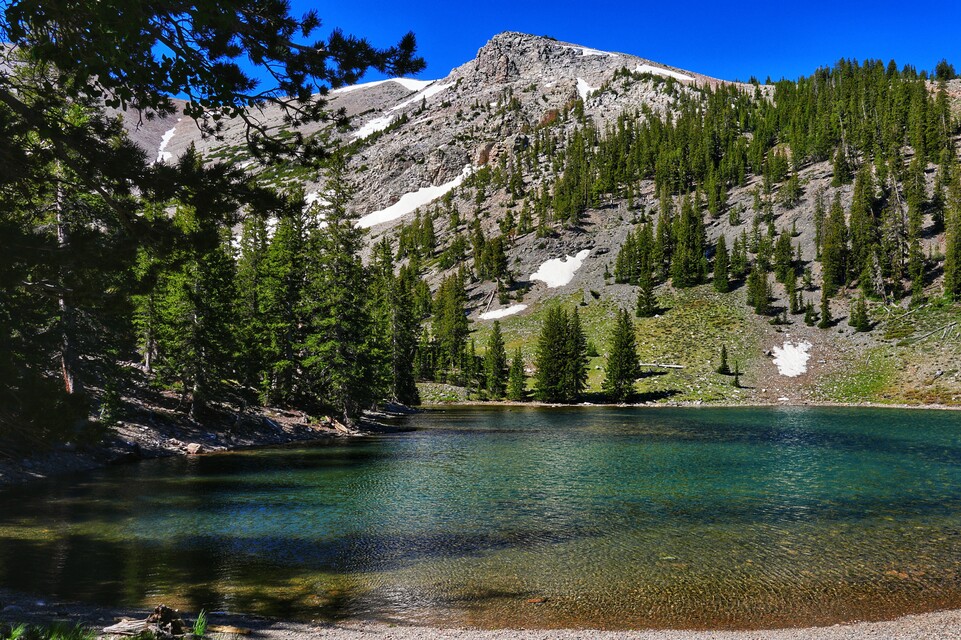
(424, 133)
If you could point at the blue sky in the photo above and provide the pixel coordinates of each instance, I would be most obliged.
(721, 39)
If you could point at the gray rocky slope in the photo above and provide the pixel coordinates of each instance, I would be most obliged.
(418, 135)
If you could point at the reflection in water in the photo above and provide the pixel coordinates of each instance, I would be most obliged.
(618, 517)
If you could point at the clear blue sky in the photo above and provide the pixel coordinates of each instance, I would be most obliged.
(721, 39)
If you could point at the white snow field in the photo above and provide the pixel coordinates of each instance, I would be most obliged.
(502, 313)
(559, 271)
(410, 201)
(382, 122)
(792, 358)
(162, 154)
(410, 84)
(646, 68)
(583, 88)
(587, 51)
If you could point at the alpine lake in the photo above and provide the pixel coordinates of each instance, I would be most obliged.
(497, 517)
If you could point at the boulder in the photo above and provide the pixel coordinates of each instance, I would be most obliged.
(193, 448)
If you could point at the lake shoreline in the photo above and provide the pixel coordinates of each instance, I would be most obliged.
(152, 433)
(16, 607)
(155, 434)
(687, 404)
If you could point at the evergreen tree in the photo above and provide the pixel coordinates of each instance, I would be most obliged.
(284, 306)
(623, 368)
(723, 368)
(721, 266)
(551, 356)
(516, 381)
(194, 335)
(575, 365)
(783, 257)
(842, 168)
(819, 214)
(688, 264)
(250, 319)
(396, 325)
(863, 226)
(561, 358)
(495, 363)
(646, 300)
(859, 316)
(952, 258)
(341, 359)
(834, 249)
(826, 319)
(759, 291)
(450, 324)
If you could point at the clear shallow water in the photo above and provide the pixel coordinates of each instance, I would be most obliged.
(619, 518)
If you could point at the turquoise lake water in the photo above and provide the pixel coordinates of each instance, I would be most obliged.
(608, 518)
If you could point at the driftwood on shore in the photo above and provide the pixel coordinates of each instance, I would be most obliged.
(164, 622)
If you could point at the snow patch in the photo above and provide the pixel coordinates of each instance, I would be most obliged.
(559, 271)
(646, 68)
(315, 197)
(408, 83)
(382, 122)
(792, 358)
(410, 201)
(583, 88)
(502, 313)
(162, 154)
(586, 51)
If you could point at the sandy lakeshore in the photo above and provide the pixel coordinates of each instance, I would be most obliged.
(930, 626)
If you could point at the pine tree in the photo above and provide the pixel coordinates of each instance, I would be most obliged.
(561, 357)
(759, 290)
(842, 168)
(341, 362)
(450, 324)
(646, 300)
(688, 264)
(284, 308)
(516, 381)
(834, 249)
(859, 316)
(194, 337)
(826, 319)
(251, 321)
(396, 325)
(551, 356)
(721, 267)
(952, 258)
(863, 226)
(809, 315)
(819, 214)
(623, 368)
(783, 257)
(723, 368)
(495, 363)
(575, 367)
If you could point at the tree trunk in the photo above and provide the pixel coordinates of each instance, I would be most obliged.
(69, 360)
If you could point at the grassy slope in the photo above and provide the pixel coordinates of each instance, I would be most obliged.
(899, 362)
(916, 360)
(689, 332)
